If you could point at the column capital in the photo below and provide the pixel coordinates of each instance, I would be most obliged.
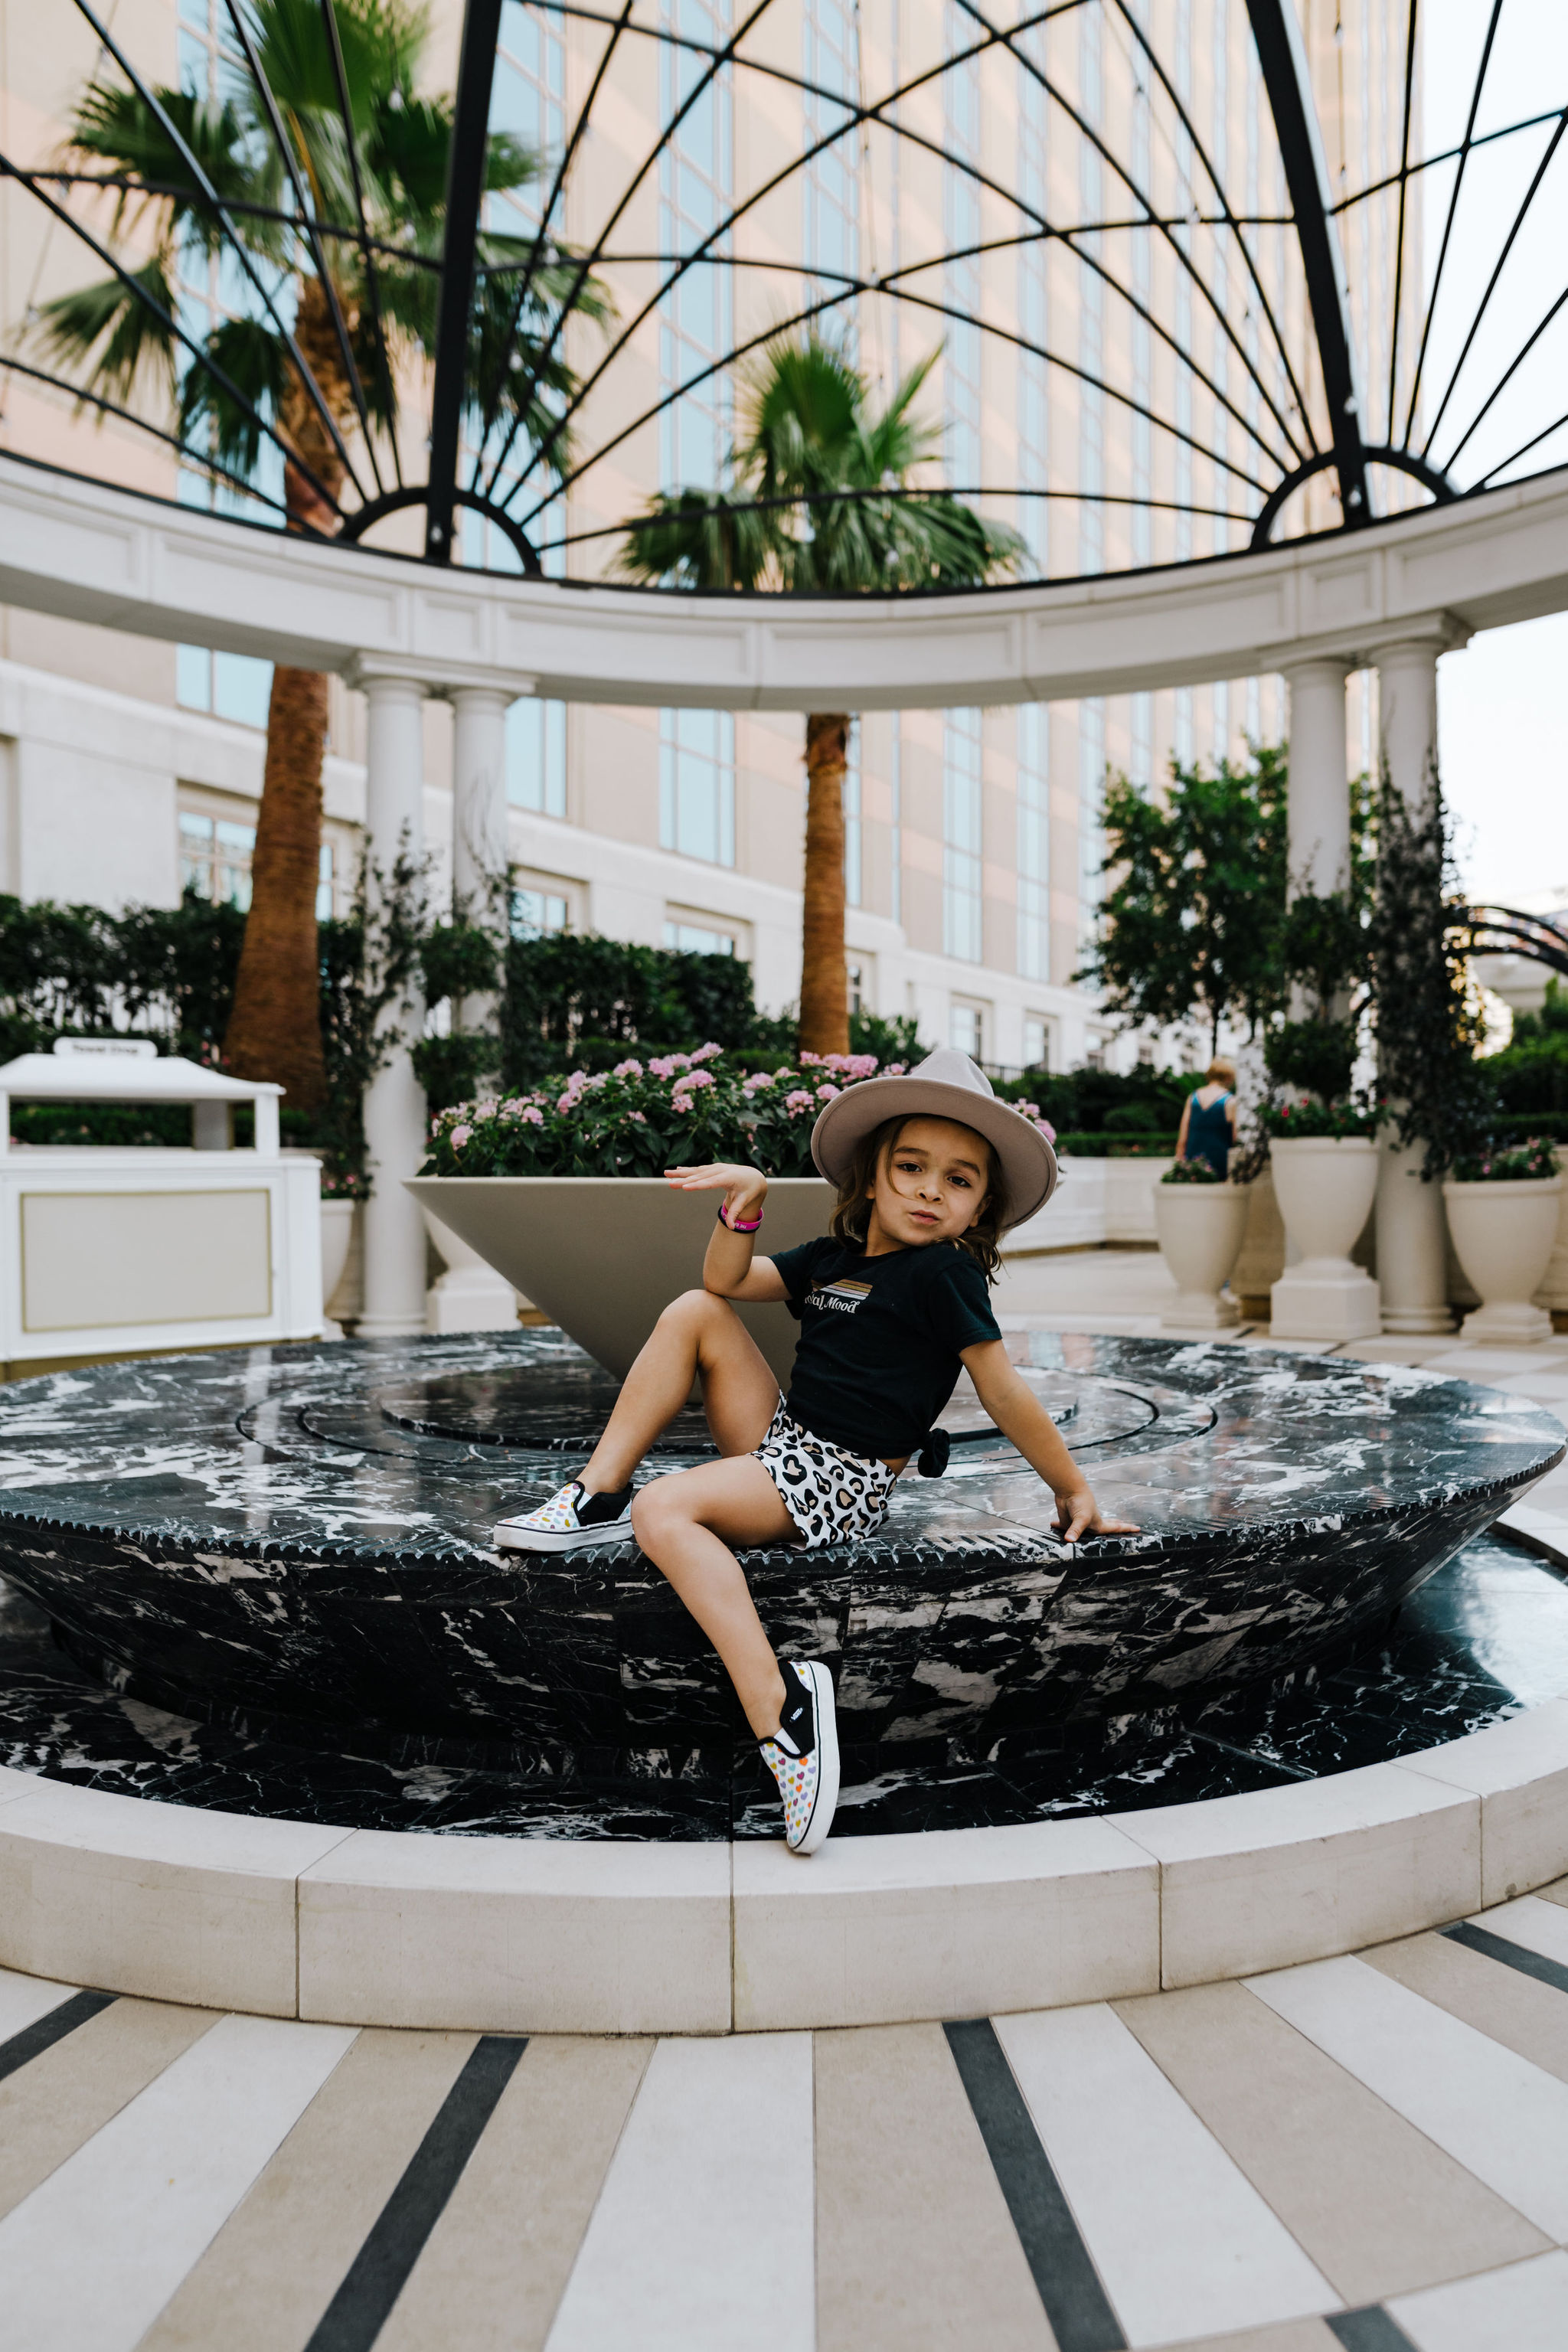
(369, 674)
(1321, 670)
(1422, 640)
(481, 698)
(442, 680)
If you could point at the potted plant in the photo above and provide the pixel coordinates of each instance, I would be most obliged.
(1502, 1213)
(1200, 1220)
(1324, 1160)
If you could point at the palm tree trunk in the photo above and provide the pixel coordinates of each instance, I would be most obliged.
(275, 1023)
(824, 982)
(275, 1026)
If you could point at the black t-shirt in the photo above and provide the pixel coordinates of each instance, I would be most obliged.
(879, 1340)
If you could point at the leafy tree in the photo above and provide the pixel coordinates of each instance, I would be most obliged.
(1531, 1074)
(1194, 917)
(817, 501)
(1429, 1022)
(324, 330)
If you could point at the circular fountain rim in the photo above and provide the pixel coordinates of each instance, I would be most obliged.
(414, 1929)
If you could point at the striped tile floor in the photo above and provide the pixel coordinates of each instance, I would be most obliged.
(1370, 2153)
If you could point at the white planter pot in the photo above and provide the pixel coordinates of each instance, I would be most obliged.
(1200, 1228)
(470, 1295)
(1553, 1291)
(1325, 1186)
(604, 1255)
(1504, 1235)
(337, 1232)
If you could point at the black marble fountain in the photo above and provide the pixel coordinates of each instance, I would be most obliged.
(263, 1582)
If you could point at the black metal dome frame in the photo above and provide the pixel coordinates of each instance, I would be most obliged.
(1427, 429)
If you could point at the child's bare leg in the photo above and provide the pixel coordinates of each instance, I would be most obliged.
(686, 1525)
(696, 1333)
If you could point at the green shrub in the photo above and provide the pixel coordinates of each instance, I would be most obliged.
(1316, 1057)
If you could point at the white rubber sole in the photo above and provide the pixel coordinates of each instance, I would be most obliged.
(827, 1803)
(510, 1537)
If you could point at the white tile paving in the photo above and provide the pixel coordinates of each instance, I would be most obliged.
(1539, 1926)
(23, 2000)
(90, 2259)
(703, 2238)
(1501, 2117)
(1521, 2308)
(1184, 2244)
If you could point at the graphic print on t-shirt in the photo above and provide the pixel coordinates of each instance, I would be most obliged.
(845, 1296)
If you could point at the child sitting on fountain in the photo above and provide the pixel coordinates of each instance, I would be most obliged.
(930, 1170)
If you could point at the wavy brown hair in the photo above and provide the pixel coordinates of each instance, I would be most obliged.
(852, 1210)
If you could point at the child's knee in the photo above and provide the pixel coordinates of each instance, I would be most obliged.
(653, 1515)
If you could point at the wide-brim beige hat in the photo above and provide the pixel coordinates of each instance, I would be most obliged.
(946, 1084)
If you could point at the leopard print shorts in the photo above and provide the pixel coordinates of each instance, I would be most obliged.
(832, 1495)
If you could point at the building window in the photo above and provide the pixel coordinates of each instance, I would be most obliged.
(831, 191)
(326, 883)
(1033, 843)
(961, 925)
(214, 858)
(852, 833)
(1091, 792)
(231, 686)
(1036, 1042)
(537, 914)
(696, 939)
(697, 784)
(856, 976)
(536, 756)
(966, 1030)
(961, 232)
(696, 175)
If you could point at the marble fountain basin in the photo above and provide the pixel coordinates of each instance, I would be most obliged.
(296, 1540)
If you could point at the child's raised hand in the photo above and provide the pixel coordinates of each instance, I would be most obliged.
(744, 1189)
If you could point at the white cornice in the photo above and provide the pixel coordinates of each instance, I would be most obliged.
(91, 554)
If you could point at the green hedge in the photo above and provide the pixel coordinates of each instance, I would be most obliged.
(1117, 1146)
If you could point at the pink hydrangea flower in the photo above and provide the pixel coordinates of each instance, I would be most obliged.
(707, 1052)
(756, 1082)
(799, 1100)
(636, 1118)
(826, 1094)
(484, 1110)
(628, 1070)
(695, 1079)
(568, 1101)
(1047, 1130)
(810, 1061)
(680, 1102)
(459, 1137)
(532, 1115)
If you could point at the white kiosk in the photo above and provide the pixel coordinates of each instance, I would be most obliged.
(110, 1250)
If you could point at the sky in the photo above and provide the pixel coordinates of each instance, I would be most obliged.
(1503, 700)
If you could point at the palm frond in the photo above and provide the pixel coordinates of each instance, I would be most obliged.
(108, 338)
(256, 362)
(695, 539)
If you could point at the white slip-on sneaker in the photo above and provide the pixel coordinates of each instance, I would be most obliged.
(568, 1521)
(802, 1755)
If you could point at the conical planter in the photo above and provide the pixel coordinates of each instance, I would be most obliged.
(604, 1255)
(1325, 1185)
(1200, 1228)
(1504, 1235)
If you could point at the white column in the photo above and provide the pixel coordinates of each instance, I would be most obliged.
(478, 804)
(394, 1100)
(1319, 803)
(1320, 1297)
(471, 1295)
(1411, 1257)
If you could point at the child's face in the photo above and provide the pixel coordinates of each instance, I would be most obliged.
(931, 1185)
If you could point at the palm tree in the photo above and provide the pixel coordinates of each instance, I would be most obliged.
(817, 501)
(327, 210)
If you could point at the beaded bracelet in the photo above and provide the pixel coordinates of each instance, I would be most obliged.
(739, 1227)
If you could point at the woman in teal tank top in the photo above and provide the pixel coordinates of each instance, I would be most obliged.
(1208, 1118)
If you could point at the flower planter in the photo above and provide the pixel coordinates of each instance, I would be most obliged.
(1200, 1228)
(1325, 1186)
(1504, 1234)
(604, 1255)
(470, 1295)
(1552, 1294)
(337, 1232)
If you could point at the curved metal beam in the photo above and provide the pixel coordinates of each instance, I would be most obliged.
(1402, 461)
(1288, 80)
(466, 161)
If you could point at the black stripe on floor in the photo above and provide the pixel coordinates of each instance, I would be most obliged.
(1368, 2330)
(45, 2032)
(362, 2305)
(1512, 1955)
(1075, 2303)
